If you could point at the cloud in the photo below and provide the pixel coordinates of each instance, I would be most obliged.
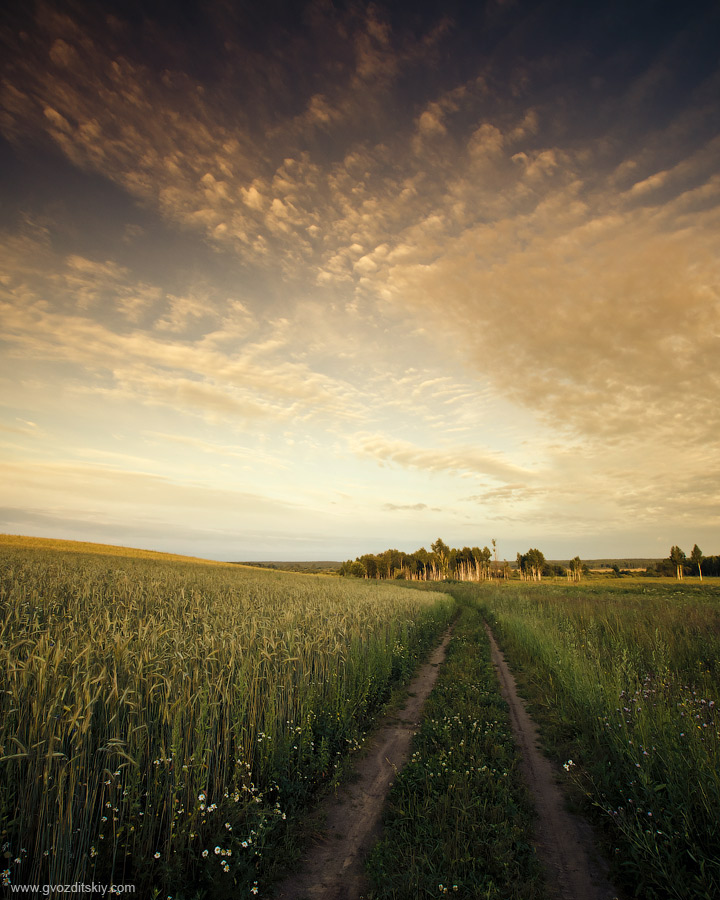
(201, 353)
(457, 460)
(411, 507)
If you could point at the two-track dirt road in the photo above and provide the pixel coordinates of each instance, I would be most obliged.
(349, 823)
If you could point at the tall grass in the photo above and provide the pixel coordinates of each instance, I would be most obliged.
(629, 680)
(160, 722)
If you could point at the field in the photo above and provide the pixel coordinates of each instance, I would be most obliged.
(625, 678)
(165, 722)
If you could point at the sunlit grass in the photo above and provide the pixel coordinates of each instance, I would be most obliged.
(627, 681)
(162, 721)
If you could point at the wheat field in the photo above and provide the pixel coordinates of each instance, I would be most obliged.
(161, 720)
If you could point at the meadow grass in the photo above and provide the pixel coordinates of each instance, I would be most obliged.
(163, 723)
(625, 679)
(458, 819)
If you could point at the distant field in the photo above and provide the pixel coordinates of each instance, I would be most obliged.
(311, 567)
(164, 721)
(625, 676)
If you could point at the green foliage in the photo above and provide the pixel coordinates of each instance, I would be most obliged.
(677, 558)
(458, 820)
(443, 562)
(163, 723)
(626, 678)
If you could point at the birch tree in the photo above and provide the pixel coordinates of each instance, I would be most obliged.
(678, 559)
(697, 558)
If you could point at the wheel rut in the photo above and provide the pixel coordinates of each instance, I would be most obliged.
(564, 842)
(334, 868)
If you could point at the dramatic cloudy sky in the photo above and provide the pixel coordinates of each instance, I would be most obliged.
(307, 280)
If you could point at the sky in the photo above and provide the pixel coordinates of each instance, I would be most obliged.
(309, 280)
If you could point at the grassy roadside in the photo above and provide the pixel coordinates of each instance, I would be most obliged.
(458, 819)
(623, 680)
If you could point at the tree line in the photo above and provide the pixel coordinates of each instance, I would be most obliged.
(474, 564)
(467, 564)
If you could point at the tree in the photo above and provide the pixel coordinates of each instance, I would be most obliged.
(442, 551)
(576, 568)
(677, 557)
(485, 557)
(535, 560)
(697, 558)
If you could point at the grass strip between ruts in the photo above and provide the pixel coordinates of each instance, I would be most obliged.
(458, 818)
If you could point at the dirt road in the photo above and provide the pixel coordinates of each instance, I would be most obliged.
(564, 842)
(334, 867)
(349, 823)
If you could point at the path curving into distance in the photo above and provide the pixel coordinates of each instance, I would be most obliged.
(334, 868)
(564, 842)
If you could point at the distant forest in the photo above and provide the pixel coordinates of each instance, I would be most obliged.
(474, 564)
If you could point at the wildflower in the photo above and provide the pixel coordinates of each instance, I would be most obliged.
(157, 855)
(217, 851)
(228, 826)
(5, 877)
(205, 853)
(201, 797)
